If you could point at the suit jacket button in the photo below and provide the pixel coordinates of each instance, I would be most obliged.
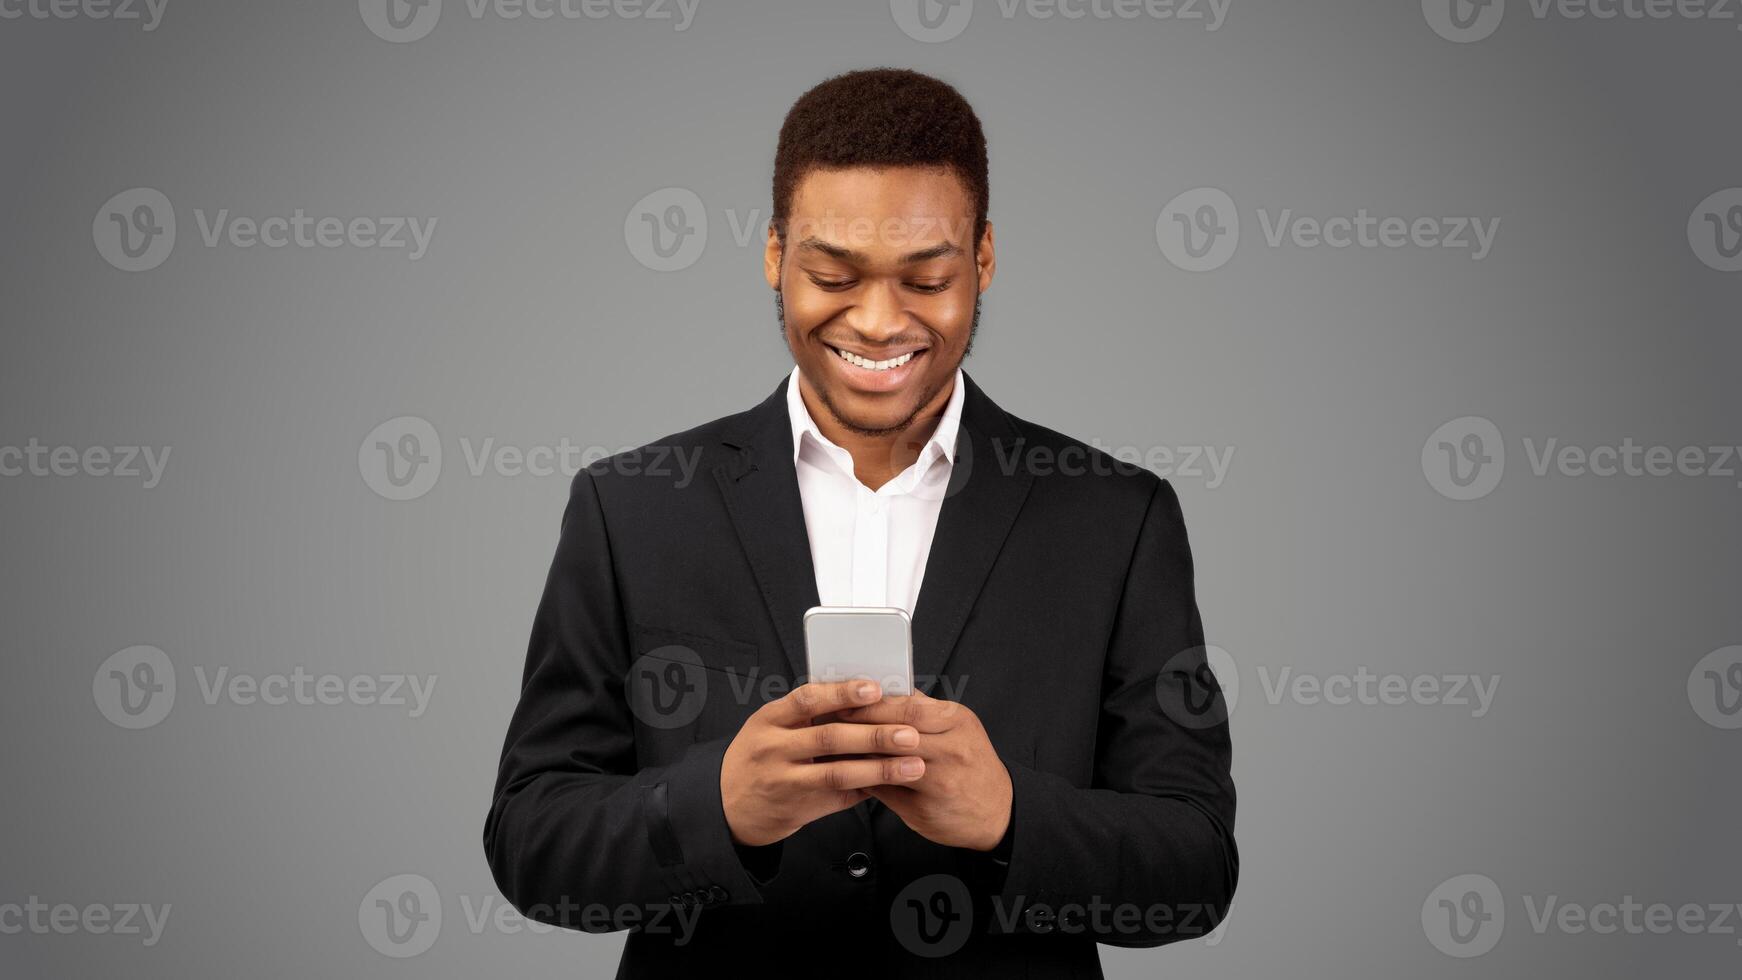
(687, 898)
(858, 864)
(719, 894)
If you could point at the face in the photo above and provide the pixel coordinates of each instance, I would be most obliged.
(879, 283)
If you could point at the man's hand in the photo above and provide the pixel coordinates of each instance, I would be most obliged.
(769, 784)
(965, 796)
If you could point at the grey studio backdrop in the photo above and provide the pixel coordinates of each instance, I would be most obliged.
(276, 517)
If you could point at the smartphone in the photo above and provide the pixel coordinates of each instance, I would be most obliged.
(845, 642)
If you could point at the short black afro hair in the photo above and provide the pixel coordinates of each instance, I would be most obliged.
(881, 117)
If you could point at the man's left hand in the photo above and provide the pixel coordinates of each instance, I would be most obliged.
(964, 798)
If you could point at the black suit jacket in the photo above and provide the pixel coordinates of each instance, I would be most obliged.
(1057, 603)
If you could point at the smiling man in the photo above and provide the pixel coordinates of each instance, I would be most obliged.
(1061, 777)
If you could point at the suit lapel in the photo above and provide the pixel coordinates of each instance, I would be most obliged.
(761, 492)
(984, 494)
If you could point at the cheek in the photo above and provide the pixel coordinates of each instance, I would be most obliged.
(951, 313)
(808, 308)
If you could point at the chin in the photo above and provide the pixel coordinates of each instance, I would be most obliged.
(858, 412)
(872, 420)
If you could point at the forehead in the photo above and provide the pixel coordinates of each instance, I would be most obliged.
(901, 205)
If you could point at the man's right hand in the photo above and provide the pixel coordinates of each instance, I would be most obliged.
(770, 784)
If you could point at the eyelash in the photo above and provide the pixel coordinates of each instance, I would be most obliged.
(835, 284)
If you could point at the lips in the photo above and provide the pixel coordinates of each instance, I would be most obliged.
(887, 371)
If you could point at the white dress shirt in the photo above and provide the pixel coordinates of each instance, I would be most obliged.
(869, 547)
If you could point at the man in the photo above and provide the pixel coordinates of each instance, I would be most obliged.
(1061, 779)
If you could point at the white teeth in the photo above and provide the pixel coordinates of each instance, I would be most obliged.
(870, 365)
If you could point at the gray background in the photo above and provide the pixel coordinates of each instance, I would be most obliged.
(530, 320)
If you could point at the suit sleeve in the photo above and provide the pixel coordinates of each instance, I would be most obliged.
(576, 833)
(1145, 855)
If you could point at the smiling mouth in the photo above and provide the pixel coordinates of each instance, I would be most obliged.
(868, 364)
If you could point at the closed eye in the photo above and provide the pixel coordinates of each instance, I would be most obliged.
(836, 285)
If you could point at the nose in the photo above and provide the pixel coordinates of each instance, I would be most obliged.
(879, 316)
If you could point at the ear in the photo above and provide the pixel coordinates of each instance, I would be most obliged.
(771, 258)
(986, 259)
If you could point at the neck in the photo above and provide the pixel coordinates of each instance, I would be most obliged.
(877, 456)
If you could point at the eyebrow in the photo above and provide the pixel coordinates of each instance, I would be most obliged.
(939, 251)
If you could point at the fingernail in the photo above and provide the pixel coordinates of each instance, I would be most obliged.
(907, 738)
(864, 692)
(912, 767)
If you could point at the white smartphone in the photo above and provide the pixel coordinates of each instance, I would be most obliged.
(845, 642)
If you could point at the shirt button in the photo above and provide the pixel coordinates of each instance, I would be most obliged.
(858, 864)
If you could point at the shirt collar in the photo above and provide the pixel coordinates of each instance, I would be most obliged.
(943, 437)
